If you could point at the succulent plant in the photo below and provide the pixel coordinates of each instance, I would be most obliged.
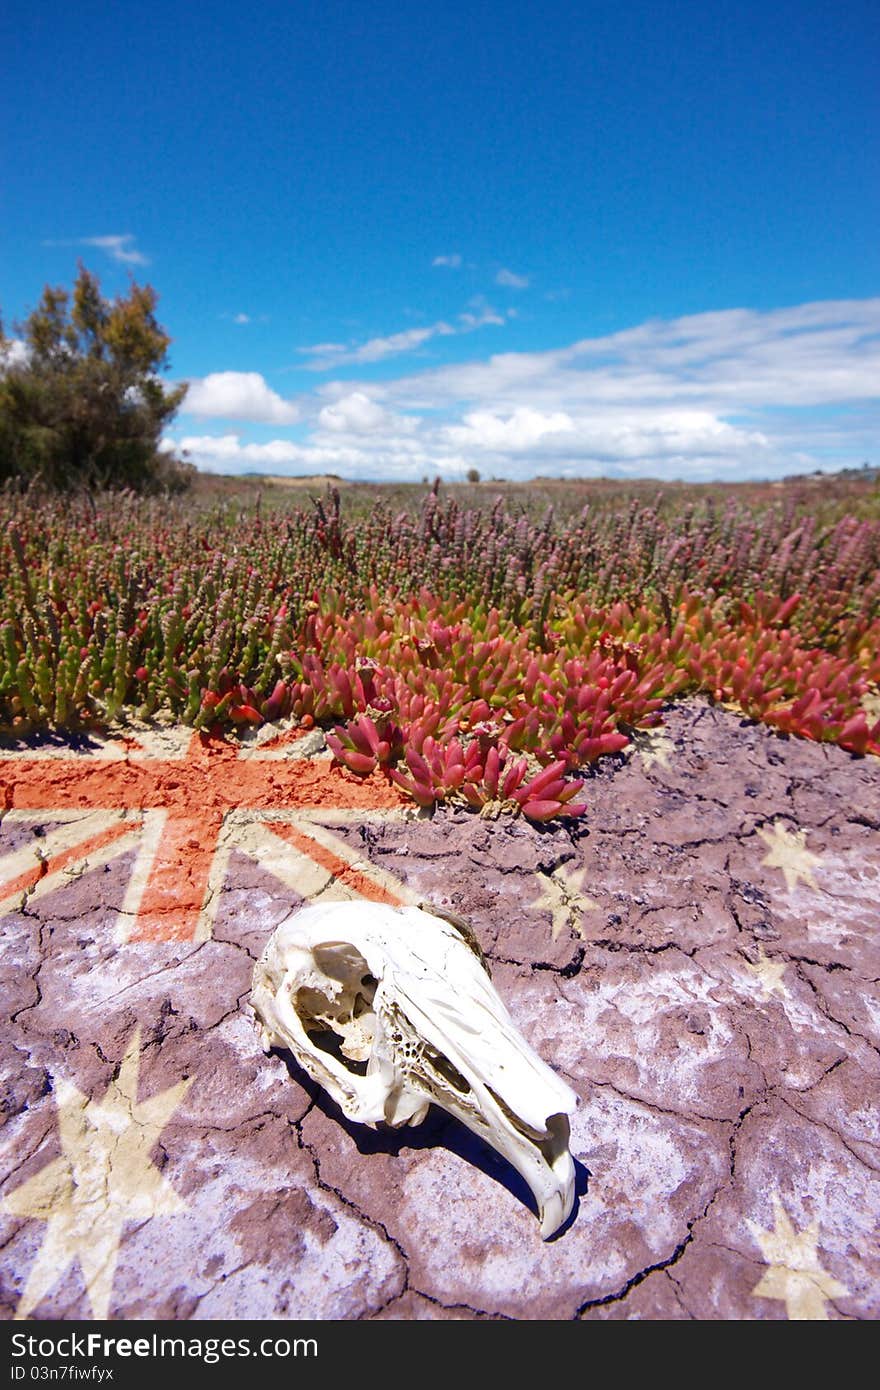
(536, 650)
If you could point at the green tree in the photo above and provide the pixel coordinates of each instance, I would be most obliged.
(81, 402)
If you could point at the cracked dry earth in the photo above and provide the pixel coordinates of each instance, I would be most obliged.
(697, 957)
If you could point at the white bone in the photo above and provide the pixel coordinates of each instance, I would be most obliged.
(391, 1009)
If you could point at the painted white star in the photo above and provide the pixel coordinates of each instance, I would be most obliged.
(768, 975)
(562, 896)
(652, 746)
(871, 703)
(104, 1178)
(788, 852)
(795, 1276)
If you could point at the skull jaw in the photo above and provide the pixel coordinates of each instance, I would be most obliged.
(542, 1160)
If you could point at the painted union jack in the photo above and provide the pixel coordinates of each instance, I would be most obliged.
(183, 802)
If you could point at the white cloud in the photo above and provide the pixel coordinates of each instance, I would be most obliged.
(737, 393)
(324, 349)
(119, 247)
(13, 352)
(510, 280)
(228, 453)
(328, 356)
(239, 396)
(478, 314)
(738, 360)
(242, 319)
(354, 414)
(523, 429)
(453, 262)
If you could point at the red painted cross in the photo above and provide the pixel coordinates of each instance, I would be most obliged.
(195, 794)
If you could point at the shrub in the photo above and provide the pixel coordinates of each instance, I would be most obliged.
(81, 404)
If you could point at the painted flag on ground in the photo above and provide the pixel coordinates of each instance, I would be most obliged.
(695, 957)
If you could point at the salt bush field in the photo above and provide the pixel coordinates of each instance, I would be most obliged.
(470, 652)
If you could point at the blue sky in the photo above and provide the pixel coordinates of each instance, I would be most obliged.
(391, 242)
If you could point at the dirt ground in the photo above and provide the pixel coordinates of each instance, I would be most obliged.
(697, 957)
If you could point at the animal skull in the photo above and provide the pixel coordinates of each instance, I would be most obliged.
(392, 1008)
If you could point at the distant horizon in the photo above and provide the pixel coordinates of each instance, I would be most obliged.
(864, 471)
(592, 241)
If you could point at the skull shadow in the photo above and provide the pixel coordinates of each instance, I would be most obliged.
(439, 1130)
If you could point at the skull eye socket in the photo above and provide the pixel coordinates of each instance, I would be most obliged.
(340, 960)
(339, 1018)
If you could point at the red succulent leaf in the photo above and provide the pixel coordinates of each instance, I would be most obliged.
(855, 734)
(542, 811)
(421, 792)
(245, 714)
